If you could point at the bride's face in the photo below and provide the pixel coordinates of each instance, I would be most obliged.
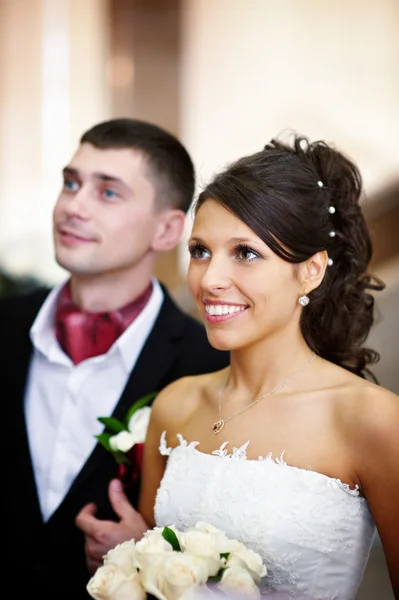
(244, 292)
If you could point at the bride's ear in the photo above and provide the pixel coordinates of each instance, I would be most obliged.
(311, 272)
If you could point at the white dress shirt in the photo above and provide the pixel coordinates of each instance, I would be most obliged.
(63, 400)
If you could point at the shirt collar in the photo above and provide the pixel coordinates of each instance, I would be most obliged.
(128, 345)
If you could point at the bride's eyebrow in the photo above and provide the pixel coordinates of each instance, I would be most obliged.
(237, 241)
(195, 240)
(234, 241)
(240, 240)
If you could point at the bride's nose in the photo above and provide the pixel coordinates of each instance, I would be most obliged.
(216, 276)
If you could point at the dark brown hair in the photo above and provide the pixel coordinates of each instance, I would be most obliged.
(169, 163)
(284, 194)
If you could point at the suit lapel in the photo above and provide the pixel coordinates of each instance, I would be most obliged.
(32, 512)
(20, 355)
(155, 360)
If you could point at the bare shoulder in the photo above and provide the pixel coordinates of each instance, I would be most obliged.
(369, 410)
(371, 418)
(369, 422)
(174, 404)
(376, 435)
(366, 414)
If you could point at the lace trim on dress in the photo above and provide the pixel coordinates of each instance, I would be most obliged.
(241, 454)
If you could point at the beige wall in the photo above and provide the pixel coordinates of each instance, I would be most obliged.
(253, 68)
(53, 57)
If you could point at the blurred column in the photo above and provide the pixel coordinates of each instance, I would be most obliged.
(144, 77)
(52, 87)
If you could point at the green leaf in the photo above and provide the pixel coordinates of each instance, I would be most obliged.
(216, 578)
(120, 457)
(103, 439)
(144, 401)
(112, 424)
(225, 555)
(170, 536)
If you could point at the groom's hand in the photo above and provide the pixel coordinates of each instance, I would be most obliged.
(101, 536)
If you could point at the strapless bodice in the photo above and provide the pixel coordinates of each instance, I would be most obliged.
(314, 532)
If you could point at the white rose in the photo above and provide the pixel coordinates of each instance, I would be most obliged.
(154, 531)
(138, 424)
(122, 556)
(173, 575)
(206, 528)
(122, 441)
(247, 558)
(157, 532)
(109, 583)
(199, 592)
(204, 545)
(222, 542)
(149, 549)
(238, 582)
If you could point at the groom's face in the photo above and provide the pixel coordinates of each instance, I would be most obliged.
(105, 216)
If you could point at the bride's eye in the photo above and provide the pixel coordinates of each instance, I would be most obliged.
(245, 254)
(197, 251)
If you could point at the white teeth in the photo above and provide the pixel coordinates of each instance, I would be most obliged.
(222, 309)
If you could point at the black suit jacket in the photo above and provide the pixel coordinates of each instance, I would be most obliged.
(49, 557)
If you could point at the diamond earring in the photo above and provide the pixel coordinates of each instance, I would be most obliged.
(304, 300)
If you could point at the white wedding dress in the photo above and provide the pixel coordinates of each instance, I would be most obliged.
(313, 532)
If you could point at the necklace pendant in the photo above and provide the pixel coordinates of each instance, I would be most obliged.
(218, 426)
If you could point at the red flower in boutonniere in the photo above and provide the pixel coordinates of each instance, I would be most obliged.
(125, 439)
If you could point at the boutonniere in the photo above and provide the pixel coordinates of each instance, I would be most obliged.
(125, 439)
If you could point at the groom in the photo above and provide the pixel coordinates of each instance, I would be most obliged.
(92, 346)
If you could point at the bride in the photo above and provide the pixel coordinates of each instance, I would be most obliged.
(293, 448)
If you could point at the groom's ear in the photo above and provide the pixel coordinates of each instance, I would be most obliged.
(169, 231)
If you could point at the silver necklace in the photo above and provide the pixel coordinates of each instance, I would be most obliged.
(218, 425)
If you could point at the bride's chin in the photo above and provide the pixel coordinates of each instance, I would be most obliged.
(219, 342)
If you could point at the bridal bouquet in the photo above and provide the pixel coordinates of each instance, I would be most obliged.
(168, 564)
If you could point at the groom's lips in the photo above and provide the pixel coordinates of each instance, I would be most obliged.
(71, 238)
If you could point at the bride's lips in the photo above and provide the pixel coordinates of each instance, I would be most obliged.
(217, 312)
(72, 238)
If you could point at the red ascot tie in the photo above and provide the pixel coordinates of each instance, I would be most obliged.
(84, 335)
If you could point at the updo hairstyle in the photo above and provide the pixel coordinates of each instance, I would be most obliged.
(302, 198)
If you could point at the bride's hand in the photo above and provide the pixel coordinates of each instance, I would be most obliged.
(100, 535)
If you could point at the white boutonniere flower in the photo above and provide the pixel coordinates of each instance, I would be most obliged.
(119, 437)
(136, 431)
(125, 439)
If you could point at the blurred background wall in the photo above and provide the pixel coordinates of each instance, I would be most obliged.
(223, 75)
